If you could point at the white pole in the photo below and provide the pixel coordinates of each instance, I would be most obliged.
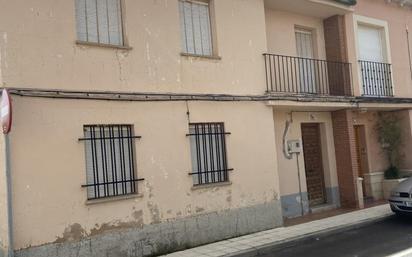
(9, 196)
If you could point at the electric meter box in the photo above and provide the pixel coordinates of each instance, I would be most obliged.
(294, 146)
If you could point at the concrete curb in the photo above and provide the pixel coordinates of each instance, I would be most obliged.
(289, 242)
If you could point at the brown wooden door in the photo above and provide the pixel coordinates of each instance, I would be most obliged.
(361, 153)
(312, 151)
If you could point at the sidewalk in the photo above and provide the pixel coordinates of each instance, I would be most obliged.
(251, 245)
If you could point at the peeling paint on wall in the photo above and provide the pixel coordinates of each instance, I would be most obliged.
(199, 209)
(154, 212)
(72, 233)
(76, 232)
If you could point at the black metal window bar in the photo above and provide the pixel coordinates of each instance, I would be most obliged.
(110, 160)
(297, 75)
(376, 78)
(208, 153)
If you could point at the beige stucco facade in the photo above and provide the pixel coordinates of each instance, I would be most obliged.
(279, 22)
(59, 85)
(46, 37)
(291, 169)
(394, 21)
(4, 226)
(163, 159)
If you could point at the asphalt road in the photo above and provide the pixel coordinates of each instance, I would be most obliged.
(383, 238)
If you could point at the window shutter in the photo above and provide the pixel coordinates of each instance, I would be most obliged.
(81, 20)
(195, 27)
(99, 21)
(103, 26)
(370, 44)
(91, 21)
(183, 25)
(115, 22)
(189, 27)
(205, 30)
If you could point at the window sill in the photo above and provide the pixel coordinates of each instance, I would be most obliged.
(210, 57)
(114, 199)
(85, 43)
(212, 185)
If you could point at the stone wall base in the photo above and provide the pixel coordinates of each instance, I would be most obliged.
(291, 206)
(3, 251)
(155, 239)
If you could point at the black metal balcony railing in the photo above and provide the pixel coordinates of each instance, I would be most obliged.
(296, 75)
(376, 78)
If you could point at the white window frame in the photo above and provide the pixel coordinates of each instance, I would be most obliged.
(376, 23)
(184, 47)
(122, 38)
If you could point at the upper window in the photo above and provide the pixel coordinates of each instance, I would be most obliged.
(371, 45)
(110, 160)
(99, 21)
(374, 57)
(208, 152)
(195, 27)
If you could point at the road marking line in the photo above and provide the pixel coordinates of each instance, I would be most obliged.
(405, 253)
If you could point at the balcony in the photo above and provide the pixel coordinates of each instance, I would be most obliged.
(376, 79)
(315, 8)
(291, 75)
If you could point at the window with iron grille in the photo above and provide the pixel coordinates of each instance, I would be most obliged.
(110, 160)
(196, 32)
(99, 21)
(208, 153)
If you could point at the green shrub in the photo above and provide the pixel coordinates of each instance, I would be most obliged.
(390, 138)
(392, 173)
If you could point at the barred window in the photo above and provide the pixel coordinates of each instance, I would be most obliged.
(110, 160)
(208, 153)
(99, 21)
(196, 32)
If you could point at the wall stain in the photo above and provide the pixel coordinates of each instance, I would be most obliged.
(154, 212)
(138, 217)
(229, 196)
(105, 227)
(74, 232)
(150, 189)
(276, 196)
(189, 209)
(199, 209)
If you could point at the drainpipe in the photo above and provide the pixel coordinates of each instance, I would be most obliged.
(9, 196)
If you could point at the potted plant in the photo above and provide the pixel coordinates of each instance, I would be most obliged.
(390, 138)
